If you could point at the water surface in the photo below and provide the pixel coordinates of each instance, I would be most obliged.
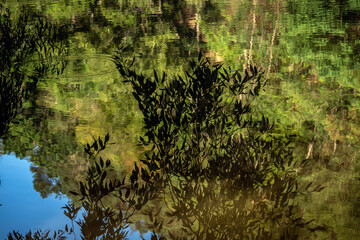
(308, 50)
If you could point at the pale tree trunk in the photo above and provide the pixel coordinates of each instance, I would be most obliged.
(311, 146)
(197, 26)
(250, 60)
(273, 39)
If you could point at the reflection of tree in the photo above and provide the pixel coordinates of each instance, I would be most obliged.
(220, 165)
(61, 115)
(99, 221)
(312, 91)
(303, 103)
(220, 172)
(23, 49)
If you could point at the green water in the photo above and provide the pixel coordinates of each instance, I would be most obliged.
(308, 50)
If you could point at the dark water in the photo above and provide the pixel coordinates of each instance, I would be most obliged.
(308, 50)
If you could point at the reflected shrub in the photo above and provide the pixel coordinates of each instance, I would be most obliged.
(211, 170)
(28, 41)
(225, 175)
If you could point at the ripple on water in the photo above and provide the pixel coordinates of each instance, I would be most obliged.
(79, 66)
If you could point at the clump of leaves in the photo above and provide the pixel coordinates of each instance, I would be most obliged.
(99, 221)
(225, 174)
(27, 45)
(220, 173)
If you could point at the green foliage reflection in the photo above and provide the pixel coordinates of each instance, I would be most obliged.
(26, 49)
(219, 172)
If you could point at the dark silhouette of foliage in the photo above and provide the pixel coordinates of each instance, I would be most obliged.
(313, 90)
(99, 221)
(220, 173)
(226, 174)
(26, 48)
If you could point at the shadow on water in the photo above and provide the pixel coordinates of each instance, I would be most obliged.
(210, 171)
(26, 49)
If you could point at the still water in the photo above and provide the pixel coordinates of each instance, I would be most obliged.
(308, 50)
(32, 211)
